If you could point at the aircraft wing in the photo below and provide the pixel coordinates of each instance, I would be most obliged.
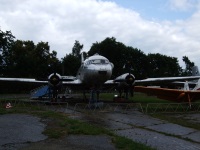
(31, 80)
(74, 82)
(155, 81)
(160, 81)
(170, 94)
(28, 80)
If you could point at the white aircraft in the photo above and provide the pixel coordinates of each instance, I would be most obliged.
(94, 73)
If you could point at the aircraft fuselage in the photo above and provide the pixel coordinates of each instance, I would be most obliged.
(95, 70)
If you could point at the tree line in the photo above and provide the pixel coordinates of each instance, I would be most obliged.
(26, 59)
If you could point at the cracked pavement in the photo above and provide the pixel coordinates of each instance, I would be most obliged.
(159, 134)
(17, 130)
(139, 127)
(154, 132)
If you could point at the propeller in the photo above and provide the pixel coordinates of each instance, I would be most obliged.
(54, 79)
(130, 80)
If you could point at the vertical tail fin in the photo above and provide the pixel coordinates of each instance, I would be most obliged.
(195, 71)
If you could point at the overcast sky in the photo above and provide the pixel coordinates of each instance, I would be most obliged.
(169, 27)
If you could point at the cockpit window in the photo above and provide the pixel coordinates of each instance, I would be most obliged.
(97, 61)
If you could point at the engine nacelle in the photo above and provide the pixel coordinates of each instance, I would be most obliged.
(126, 78)
(54, 80)
(130, 79)
(125, 84)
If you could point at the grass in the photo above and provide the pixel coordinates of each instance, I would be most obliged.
(177, 120)
(60, 125)
(137, 98)
(127, 144)
(153, 101)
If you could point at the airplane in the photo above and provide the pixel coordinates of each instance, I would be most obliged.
(175, 95)
(94, 74)
(185, 94)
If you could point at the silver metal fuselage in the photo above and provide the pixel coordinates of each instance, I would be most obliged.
(95, 71)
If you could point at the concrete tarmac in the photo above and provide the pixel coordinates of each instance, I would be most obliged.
(18, 130)
(142, 128)
(24, 132)
(153, 132)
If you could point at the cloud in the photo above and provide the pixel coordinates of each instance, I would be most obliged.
(62, 22)
(183, 5)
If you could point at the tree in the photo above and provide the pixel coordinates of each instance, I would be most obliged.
(119, 54)
(70, 64)
(76, 50)
(151, 65)
(19, 59)
(188, 66)
(6, 42)
(45, 61)
(112, 50)
(25, 59)
(163, 66)
(139, 62)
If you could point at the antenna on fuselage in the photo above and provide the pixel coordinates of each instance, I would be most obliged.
(82, 58)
